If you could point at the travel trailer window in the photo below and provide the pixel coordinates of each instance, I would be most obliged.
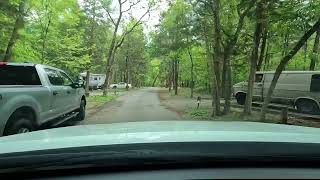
(315, 83)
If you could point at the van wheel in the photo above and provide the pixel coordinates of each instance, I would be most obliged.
(18, 125)
(241, 98)
(307, 106)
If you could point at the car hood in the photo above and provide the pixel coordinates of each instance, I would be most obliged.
(154, 132)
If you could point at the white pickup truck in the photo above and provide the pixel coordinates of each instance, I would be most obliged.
(120, 85)
(34, 95)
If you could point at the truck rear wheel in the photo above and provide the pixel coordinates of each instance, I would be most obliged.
(307, 106)
(241, 98)
(18, 125)
(82, 111)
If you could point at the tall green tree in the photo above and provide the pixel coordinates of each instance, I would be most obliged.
(122, 8)
(19, 22)
(131, 60)
(260, 25)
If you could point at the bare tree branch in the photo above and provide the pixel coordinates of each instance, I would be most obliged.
(132, 28)
(122, 2)
(234, 38)
(110, 17)
(131, 5)
(225, 32)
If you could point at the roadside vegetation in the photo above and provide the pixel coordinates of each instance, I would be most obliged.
(97, 100)
(95, 103)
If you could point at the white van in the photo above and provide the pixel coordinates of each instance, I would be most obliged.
(301, 89)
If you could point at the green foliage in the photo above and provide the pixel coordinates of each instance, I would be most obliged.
(56, 33)
(75, 36)
(153, 73)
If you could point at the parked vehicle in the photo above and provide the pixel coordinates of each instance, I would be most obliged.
(96, 80)
(120, 85)
(32, 95)
(301, 89)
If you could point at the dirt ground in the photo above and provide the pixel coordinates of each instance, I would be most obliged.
(187, 109)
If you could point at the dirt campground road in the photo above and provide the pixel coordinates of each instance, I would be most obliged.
(137, 105)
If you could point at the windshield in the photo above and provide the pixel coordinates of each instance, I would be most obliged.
(95, 67)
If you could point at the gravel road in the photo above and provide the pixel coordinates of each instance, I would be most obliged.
(136, 105)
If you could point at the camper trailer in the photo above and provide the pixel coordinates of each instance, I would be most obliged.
(96, 81)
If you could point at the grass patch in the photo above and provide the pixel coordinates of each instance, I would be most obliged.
(201, 113)
(94, 101)
(101, 99)
(205, 114)
(117, 90)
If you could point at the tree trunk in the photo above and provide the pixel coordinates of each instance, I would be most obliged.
(224, 76)
(155, 79)
(211, 74)
(127, 70)
(171, 75)
(14, 35)
(262, 49)
(284, 61)
(176, 77)
(107, 80)
(215, 99)
(217, 59)
(227, 89)
(111, 54)
(305, 56)
(226, 79)
(208, 79)
(254, 55)
(192, 74)
(45, 32)
(315, 52)
(228, 53)
(286, 43)
(90, 45)
(267, 57)
(44, 40)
